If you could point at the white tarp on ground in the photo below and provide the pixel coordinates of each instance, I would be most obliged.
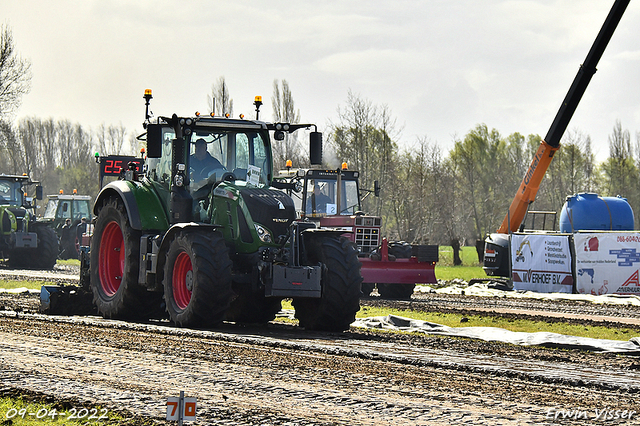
(541, 263)
(493, 334)
(484, 290)
(607, 263)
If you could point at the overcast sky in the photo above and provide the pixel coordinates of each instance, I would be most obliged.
(441, 66)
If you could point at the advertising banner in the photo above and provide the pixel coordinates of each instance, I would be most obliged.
(541, 263)
(607, 263)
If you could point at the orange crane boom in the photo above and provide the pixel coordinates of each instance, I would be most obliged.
(531, 182)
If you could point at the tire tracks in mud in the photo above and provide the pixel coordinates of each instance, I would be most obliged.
(272, 375)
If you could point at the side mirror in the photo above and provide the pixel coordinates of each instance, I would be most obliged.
(376, 188)
(154, 141)
(315, 148)
(39, 193)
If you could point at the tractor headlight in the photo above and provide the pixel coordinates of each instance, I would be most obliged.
(263, 234)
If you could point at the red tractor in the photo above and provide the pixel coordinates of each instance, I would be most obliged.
(332, 199)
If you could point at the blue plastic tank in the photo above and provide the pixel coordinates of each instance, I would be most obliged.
(590, 212)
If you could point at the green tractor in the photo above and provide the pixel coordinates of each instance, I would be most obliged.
(207, 232)
(24, 243)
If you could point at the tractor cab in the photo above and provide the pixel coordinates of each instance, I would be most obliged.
(333, 199)
(11, 193)
(62, 206)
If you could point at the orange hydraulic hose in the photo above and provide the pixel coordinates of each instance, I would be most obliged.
(528, 188)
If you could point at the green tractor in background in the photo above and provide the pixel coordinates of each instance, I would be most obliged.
(219, 243)
(24, 242)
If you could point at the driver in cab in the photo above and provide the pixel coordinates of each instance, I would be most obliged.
(202, 164)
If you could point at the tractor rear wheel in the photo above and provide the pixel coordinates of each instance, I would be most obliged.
(114, 265)
(197, 279)
(401, 250)
(341, 280)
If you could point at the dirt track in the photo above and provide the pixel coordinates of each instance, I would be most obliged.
(282, 375)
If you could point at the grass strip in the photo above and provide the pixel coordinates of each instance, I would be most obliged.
(30, 284)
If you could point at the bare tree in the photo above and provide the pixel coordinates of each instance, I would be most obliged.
(116, 138)
(220, 102)
(10, 152)
(15, 74)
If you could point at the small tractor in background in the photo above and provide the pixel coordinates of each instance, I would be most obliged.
(223, 247)
(333, 199)
(61, 207)
(24, 242)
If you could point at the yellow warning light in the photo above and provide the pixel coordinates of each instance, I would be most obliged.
(258, 99)
(227, 115)
(147, 91)
(75, 191)
(344, 166)
(212, 114)
(241, 116)
(61, 192)
(197, 114)
(24, 174)
(289, 164)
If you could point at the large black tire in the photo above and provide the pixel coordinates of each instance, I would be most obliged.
(197, 279)
(252, 306)
(401, 250)
(115, 258)
(47, 251)
(42, 257)
(341, 279)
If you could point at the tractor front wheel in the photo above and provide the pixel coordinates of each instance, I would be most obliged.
(197, 279)
(341, 279)
(47, 251)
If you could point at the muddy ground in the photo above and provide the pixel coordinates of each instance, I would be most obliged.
(279, 374)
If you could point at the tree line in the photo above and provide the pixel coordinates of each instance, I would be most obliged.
(428, 196)
(458, 197)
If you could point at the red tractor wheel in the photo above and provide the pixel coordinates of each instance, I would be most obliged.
(182, 280)
(116, 256)
(111, 260)
(197, 279)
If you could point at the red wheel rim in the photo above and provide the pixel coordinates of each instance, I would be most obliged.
(111, 261)
(182, 280)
